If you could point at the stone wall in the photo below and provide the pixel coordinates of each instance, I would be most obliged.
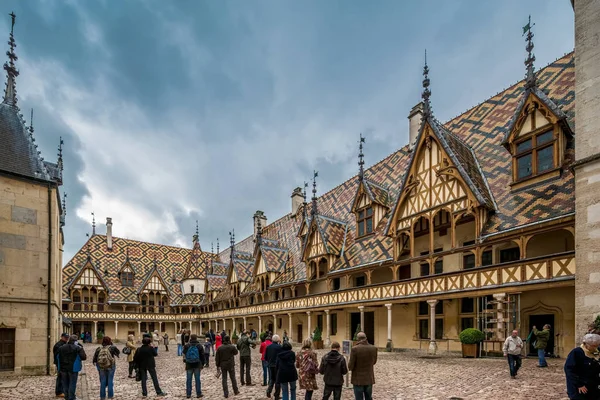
(24, 247)
(587, 174)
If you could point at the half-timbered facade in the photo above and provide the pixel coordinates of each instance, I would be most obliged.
(469, 225)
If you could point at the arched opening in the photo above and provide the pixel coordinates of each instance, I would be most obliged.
(312, 270)
(322, 268)
(403, 245)
(382, 274)
(442, 230)
(421, 235)
(465, 229)
(506, 252)
(548, 243)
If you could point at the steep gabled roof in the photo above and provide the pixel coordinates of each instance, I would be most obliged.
(377, 194)
(198, 265)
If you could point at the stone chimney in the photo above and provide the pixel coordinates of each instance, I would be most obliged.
(414, 123)
(109, 233)
(259, 215)
(297, 200)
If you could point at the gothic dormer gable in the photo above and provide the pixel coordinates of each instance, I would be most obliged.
(154, 282)
(88, 277)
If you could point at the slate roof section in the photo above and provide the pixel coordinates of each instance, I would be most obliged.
(275, 258)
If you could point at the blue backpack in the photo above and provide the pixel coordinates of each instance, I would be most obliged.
(192, 355)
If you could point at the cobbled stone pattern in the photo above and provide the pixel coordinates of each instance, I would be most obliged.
(399, 376)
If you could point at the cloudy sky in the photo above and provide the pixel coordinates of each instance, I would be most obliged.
(177, 111)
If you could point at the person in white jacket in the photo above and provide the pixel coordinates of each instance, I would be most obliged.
(513, 346)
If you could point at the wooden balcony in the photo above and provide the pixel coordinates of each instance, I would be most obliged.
(540, 270)
(128, 316)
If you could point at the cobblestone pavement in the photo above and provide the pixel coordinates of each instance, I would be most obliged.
(406, 375)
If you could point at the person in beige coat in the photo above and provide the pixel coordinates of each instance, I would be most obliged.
(363, 357)
(131, 345)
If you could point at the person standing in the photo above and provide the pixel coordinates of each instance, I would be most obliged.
(541, 342)
(333, 368)
(156, 340)
(245, 346)
(207, 347)
(308, 368)
(512, 349)
(363, 357)
(265, 364)
(218, 342)
(193, 357)
(70, 357)
(212, 341)
(104, 360)
(144, 359)
(132, 348)
(582, 369)
(285, 336)
(166, 340)
(271, 354)
(185, 337)
(225, 359)
(58, 389)
(286, 372)
(179, 343)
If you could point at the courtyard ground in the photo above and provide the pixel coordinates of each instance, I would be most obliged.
(406, 375)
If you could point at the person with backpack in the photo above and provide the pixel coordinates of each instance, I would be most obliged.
(308, 367)
(333, 368)
(193, 357)
(144, 359)
(185, 338)
(225, 360)
(70, 357)
(245, 346)
(104, 360)
(286, 372)
(129, 350)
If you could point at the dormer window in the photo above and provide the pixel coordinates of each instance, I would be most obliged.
(127, 277)
(191, 288)
(535, 155)
(365, 221)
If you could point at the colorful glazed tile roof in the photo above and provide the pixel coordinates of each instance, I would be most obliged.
(216, 282)
(275, 258)
(198, 265)
(169, 262)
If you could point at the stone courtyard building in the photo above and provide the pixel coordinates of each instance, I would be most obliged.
(471, 224)
(31, 239)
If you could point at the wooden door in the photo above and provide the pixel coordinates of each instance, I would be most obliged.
(7, 349)
(299, 334)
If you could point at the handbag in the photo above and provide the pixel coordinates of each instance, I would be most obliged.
(126, 350)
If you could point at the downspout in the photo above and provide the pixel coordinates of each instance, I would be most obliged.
(48, 327)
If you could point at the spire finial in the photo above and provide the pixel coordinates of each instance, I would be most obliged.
(232, 241)
(314, 191)
(218, 246)
(93, 224)
(258, 231)
(59, 163)
(197, 232)
(530, 74)
(10, 92)
(63, 215)
(361, 158)
(212, 248)
(426, 92)
(31, 122)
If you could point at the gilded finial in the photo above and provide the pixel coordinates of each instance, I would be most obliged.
(530, 81)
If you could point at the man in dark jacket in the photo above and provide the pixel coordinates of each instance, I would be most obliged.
(286, 371)
(58, 390)
(70, 366)
(333, 368)
(271, 354)
(144, 359)
(363, 357)
(541, 342)
(194, 361)
(213, 340)
(245, 346)
(225, 360)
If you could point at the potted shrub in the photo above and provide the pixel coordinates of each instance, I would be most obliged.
(355, 338)
(234, 337)
(99, 337)
(471, 339)
(318, 338)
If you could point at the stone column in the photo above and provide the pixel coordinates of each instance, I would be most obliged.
(275, 324)
(290, 326)
(225, 325)
(233, 327)
(259, 324)
(95, 331)
(116, 330)
(175, 323)
(389, 330)
(328, 329)
(140, 329)
(191, 325)
(362, 318)
(245, 325)
(432, 343)
(309, 328)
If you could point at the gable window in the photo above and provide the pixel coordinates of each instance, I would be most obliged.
(191, 288)
(365, 221)
(360, 281)
(535, 155)
(127, 278)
